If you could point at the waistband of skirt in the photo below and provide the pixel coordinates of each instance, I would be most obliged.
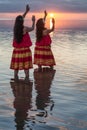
(23, 48)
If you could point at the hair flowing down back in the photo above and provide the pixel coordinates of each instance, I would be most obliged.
(39, 29)
(18, 29)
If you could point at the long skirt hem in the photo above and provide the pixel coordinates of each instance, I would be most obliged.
(43, 56)
(21, 59)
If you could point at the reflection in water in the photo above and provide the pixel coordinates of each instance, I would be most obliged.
(25, 116)
(43, 82)
(22, 102)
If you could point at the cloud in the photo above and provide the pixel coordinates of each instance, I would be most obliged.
(39, 5)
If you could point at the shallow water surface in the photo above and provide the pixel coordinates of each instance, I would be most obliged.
(53, 100)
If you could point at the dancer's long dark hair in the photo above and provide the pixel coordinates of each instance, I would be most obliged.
(39, 29)
(18, 29)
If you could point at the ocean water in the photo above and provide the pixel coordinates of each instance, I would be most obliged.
(54, 100)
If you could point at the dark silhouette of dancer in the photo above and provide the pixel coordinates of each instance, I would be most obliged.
(43, 82)
(22, 103)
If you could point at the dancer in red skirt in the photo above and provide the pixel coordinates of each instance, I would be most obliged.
(43, 55)
(22, 56)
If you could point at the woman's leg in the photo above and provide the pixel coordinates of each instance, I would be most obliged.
(16, 75)
(26, 75)
(51, 67)
(39, 68)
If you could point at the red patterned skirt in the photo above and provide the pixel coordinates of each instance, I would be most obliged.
(43, 56)
(21, 59)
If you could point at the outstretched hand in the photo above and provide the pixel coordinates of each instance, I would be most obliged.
(27, 8)
(26, 11)
(45, 12)
(33, 18)
(53, 20)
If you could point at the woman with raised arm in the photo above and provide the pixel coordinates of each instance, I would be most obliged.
(22, 56)
(43, 55)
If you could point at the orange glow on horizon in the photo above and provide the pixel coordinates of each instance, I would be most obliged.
(51, 15)
(56, 15)
(61, 19)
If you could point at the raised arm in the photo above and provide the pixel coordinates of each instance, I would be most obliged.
(45, 15)
(33, 23)
(47, 31)
(26, 11)
(29, 29)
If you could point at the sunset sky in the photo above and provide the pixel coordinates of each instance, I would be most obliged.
(61, 9)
